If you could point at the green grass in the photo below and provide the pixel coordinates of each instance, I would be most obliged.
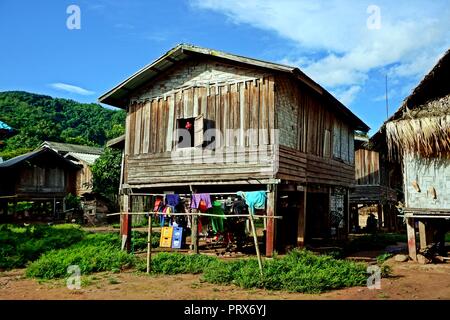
(19, 245)
(299, 271)
(97, 252)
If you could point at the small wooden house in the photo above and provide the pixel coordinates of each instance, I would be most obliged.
(418, 135)
(41, 176)
(376, 183)
(205, 120)
(84, 156)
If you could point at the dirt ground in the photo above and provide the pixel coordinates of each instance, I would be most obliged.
(409, 281)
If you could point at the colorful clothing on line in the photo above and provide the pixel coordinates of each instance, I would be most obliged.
(201, 201)
(217, 222)
(254, 200)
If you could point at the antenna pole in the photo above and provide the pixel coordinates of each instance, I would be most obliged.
(387, 105)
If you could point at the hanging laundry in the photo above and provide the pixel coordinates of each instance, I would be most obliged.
(159, 204)
(217, 222)
(254, 200)
(172, 200)
(201, 201)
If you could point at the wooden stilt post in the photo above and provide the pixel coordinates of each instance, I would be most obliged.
(422, 235)
(301, 228)
(125, 224)
(271, 208)
(149, 244)
(194, 233)
(380, 216)
(410, 230)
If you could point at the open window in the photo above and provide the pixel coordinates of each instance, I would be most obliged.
(191, 132)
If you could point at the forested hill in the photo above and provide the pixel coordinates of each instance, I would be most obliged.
(38, 117)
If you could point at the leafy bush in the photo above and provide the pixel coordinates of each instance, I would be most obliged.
(98, 252)
(19, 245)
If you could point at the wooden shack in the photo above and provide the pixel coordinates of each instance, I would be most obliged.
(41, 176)
(84, 156)
(418, 135)
(377, 183)
(253, 125)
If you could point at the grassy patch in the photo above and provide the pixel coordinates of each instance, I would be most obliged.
(98, 252)
(95, 252)
(19, 245)
(299, 271)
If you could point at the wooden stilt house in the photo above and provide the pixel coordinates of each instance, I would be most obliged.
(205, 120)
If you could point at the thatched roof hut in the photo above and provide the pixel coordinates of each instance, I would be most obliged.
(421, 126)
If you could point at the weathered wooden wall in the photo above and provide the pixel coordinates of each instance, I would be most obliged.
(314, 142)
(37, 179)
(84, 179)
(246, 107)
(367, 167)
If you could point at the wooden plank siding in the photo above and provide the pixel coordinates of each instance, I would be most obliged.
(367, 167)
(151, 152)
(308, 148)
(308, 131)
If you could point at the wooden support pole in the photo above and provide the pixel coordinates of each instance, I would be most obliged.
(149, 244)
(270, 232)
(255, 239)
(301, 228)
(125, 224)
(422, 235)
(194, 234)
(380, 216)
(411, 233)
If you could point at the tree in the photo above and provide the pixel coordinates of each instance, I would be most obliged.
(106, 176)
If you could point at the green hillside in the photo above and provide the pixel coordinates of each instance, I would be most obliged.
(38, 117)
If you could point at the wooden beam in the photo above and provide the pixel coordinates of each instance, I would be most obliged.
(380, 216)
(301, 228)
(149, 244)
(271, 211)
(194, 234)
(125, 224)
(422, 235)
(411, 233)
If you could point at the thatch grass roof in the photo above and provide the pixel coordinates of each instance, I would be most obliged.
(422, 124)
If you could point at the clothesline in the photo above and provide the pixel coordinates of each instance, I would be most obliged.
(189, 194)
(192, 214)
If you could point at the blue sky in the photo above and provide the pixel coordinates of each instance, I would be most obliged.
(331, 41)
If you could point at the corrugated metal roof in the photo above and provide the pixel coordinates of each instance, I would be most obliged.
(116, 142)
(86, 157)
(118, 95)
(30, 155)
(67, 147)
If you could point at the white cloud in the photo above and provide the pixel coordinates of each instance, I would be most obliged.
(346, 95)
(412, 35)
(71, 88)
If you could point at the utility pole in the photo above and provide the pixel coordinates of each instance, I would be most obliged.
(387, 105)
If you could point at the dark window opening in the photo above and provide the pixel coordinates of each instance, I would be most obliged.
(191, 133)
